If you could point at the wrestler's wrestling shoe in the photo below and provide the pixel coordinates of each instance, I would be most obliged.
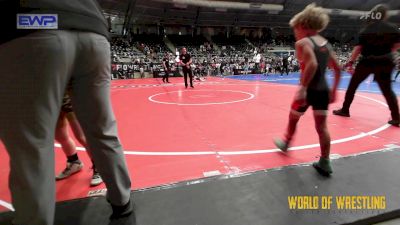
(323, 166)
(72, 168)
(281, 144)
(96, 179)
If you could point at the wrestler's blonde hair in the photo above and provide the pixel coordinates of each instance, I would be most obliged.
(312, 17)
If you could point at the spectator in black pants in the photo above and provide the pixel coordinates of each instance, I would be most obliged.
(376, 43)
(167, 68)
(185, 61)
(285, 66)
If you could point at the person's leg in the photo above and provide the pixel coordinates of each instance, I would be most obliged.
(62, 136)
(390, 96)
(298, 108)
(320, 102)
(323, 166)
(385, 85)
(92, 104)
(77, 129)
(362, 71)
(190, 78)
(294, 118)
(30, 99)
(320, 118)
(397, 74)
(167, 76)
(80, 136)
(185, 74)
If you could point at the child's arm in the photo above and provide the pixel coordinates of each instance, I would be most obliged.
(354, 55)
(307, 56)
(333, 64)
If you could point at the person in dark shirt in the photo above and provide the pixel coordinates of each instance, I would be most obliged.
(141, 69)
(185, 61)
(376, 43)
(167, 68)
(76, 49)
(285, 65)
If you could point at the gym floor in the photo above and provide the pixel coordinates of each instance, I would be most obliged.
(224, 126)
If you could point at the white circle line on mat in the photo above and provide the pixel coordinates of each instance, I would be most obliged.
(151, 98)
(6, 205)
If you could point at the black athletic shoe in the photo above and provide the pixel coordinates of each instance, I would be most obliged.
(192, 86)
(281, 144)
(323, 167)
(121, 211)
(321, 171)
(340, 112)
(395, 123)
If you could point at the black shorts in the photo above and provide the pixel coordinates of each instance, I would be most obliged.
(318, 100)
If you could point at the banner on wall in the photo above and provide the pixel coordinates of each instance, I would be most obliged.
(135, 67)
(129, 68)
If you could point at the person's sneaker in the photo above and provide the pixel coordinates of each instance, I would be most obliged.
(341, 112)
(394, 122)
(281, 144)
(96, 179)
(72, 168)
(121, 211)
(323, 167)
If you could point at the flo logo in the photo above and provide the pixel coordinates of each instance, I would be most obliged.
(371, 15)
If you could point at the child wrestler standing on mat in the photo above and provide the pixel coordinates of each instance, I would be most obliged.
(314, 54)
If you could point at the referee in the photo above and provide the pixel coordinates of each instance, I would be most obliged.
(376, 43)
(185, 61)
(167, 67)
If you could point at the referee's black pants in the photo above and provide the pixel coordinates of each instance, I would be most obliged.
(166, 76)
(285, 69)
(187, 72)
(382, 69)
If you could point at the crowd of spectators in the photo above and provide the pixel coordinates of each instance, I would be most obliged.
(222, 56)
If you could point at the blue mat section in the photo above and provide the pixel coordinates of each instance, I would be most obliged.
(293, 79)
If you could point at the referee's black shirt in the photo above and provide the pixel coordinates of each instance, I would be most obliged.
(185, 59)
(378, 38)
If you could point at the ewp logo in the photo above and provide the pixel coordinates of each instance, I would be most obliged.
(37, 21)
